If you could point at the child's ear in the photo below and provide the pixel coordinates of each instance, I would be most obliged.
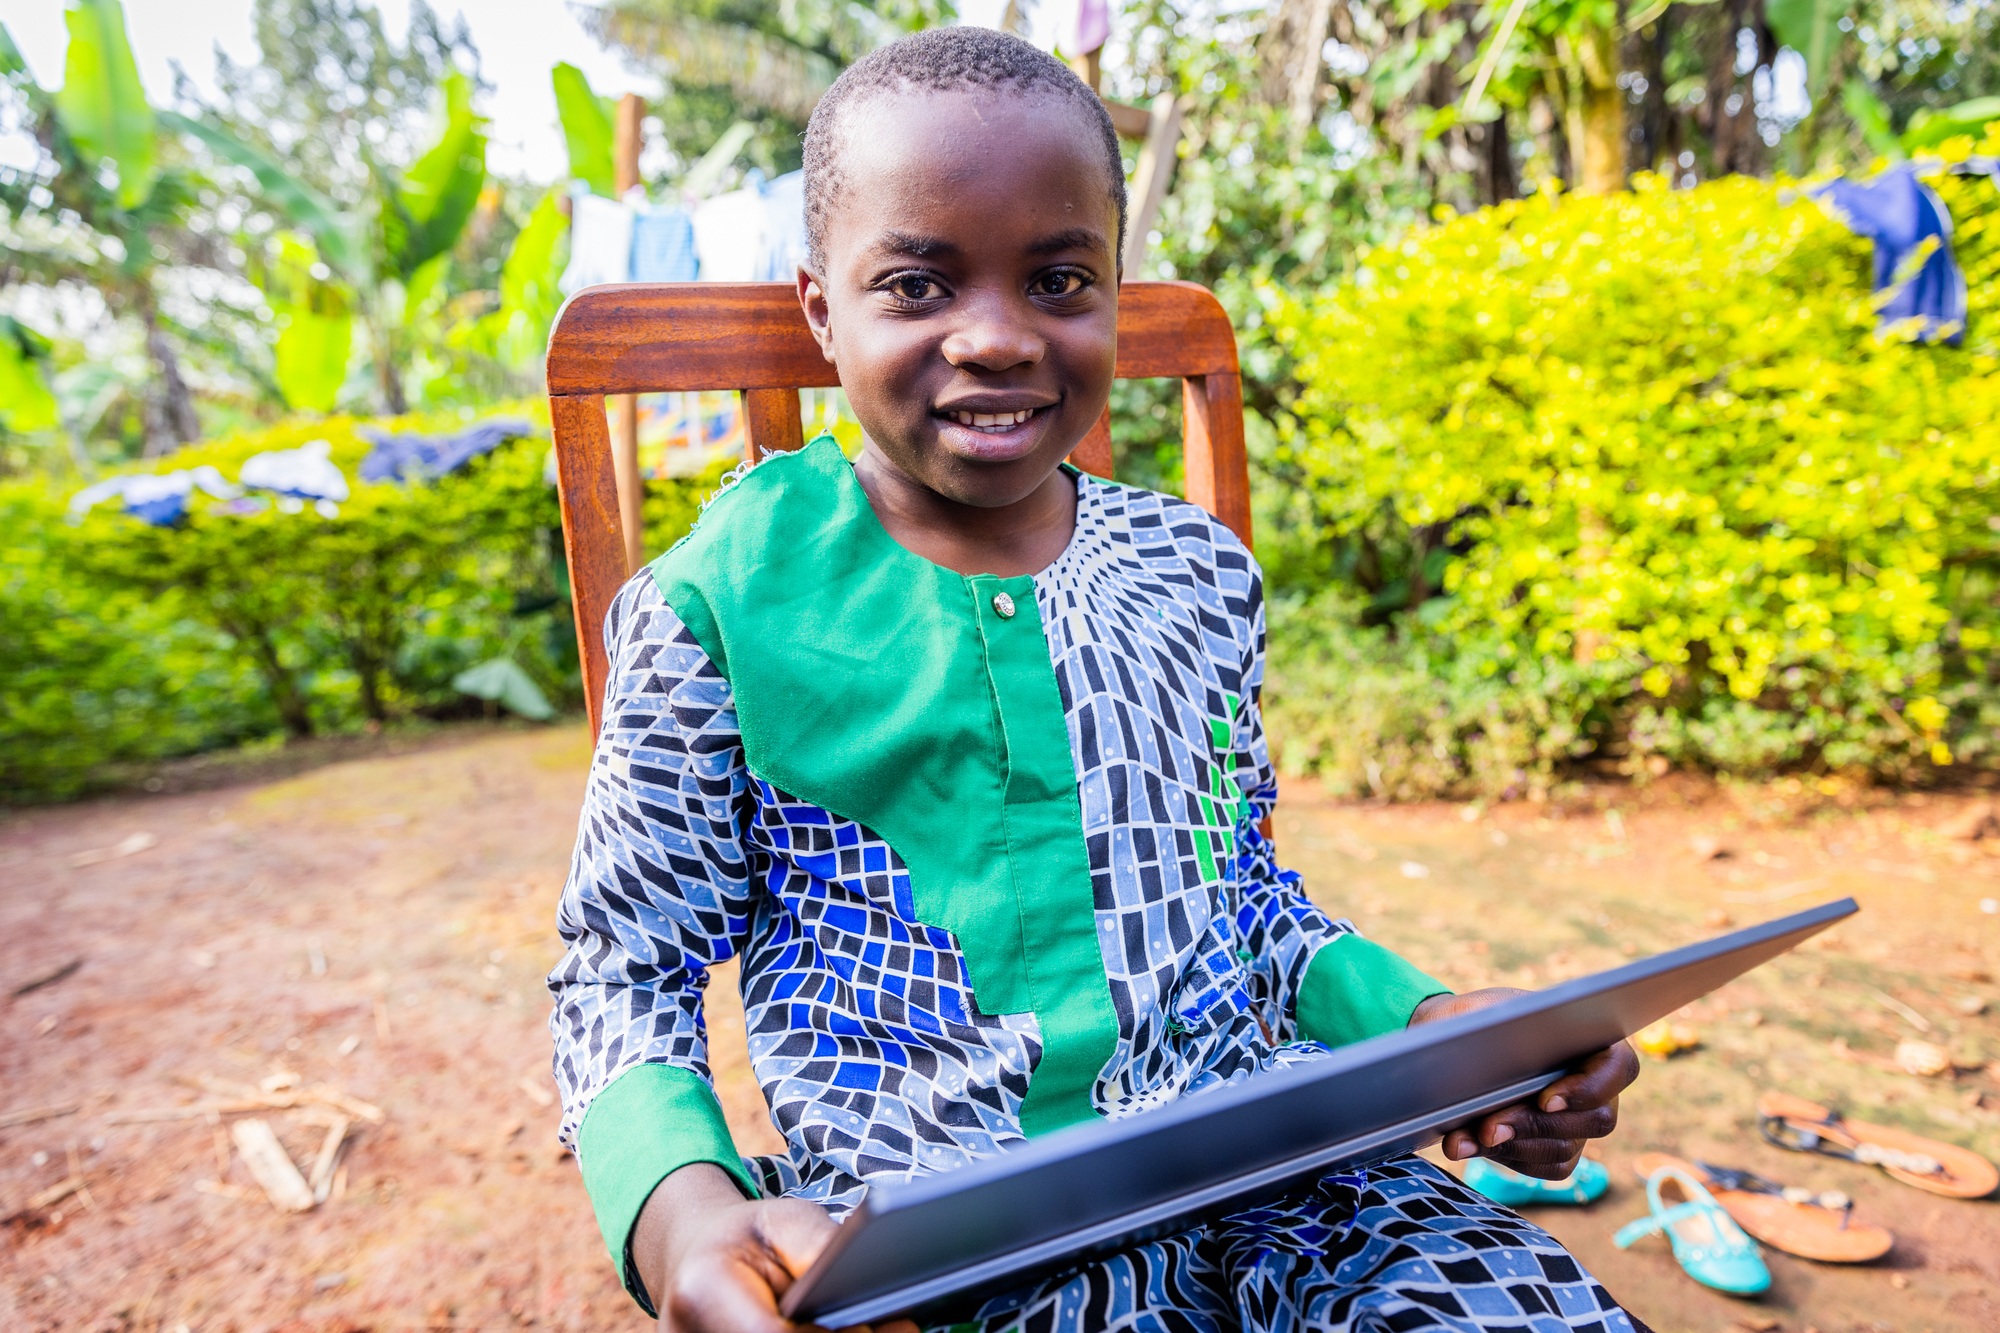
(812, 299)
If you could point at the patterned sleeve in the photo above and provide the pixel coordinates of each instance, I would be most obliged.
(658, 893)
(1326, 982)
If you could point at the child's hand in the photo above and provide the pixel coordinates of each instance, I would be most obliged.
(1546, 1137)
(715, 1262)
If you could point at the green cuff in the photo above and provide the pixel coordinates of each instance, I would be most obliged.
(650, 1121)
(1356, 989)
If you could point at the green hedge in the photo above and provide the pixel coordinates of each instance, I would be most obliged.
(1629, 477)
(123, 643)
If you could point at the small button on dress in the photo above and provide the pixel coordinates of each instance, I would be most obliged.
(1004, 605)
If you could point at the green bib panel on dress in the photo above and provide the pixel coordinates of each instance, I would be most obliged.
(923, 704)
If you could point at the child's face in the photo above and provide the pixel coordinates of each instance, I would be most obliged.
(970, 275)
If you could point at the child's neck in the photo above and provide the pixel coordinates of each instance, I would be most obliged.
(1023, 537)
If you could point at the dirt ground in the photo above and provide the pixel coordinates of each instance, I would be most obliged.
(380, 926)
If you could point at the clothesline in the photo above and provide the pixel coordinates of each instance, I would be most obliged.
(756, 233)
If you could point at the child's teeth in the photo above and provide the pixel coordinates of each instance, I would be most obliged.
(992, 420)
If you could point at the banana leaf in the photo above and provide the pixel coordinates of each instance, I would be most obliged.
(1812, 28)
(587, 129)
(1930, 128)
(529, 297)
(26, 404)
(336, 234)
(12, 66)
(502, 681)
(1865, 109)
(311, 356)
(102, 104)
(424, 213)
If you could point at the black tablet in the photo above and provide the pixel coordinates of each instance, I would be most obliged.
(915, 1246)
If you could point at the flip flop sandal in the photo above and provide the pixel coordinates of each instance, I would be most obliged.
(1797, 1221)
(1706, 1241)
(1803, 1126)
(1586, 1184)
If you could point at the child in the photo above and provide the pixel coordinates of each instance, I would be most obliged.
(958, 751)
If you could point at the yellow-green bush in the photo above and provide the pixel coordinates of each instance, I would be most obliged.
(1974, 202)
(1656, 435)
(121, 642)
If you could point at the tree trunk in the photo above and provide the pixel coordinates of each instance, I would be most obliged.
(391, 381)
(1734, 145)
(286, 695)
(175, 423)
(1649, 48)
(1500, 181)
(1597, 112)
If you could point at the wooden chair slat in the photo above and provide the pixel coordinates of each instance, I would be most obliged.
(657, 337)
(1093, 451)
(1217, 469)
(772, 423)
(593, 540)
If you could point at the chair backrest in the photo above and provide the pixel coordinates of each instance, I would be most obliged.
(626, 338)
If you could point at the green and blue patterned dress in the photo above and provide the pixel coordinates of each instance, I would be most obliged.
(989, 853)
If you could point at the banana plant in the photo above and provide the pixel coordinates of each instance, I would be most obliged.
(26, 403)
(100, 166)
(587, 129)
(1933, 125)
(514, 335)
(384, 261)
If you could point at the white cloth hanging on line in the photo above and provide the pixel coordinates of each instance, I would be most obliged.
(600, 242)
(731, 235)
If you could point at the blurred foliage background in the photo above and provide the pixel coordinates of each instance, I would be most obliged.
(1576, 447)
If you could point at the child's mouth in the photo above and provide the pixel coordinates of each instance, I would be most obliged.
(992, 436)
(992, 423)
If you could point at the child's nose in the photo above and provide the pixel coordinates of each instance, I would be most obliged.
(992, 337)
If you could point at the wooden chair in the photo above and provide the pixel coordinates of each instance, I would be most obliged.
(633, 338)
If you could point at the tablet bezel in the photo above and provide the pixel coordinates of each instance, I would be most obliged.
(1540, 1032)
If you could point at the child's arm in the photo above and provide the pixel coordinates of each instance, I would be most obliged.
(1325, 981)
(658, 893)
(1342, 988)
(719, 1264)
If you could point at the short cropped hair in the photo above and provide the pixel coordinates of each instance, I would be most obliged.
(952, 59)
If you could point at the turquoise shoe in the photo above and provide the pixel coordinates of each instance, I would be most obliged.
(1586, 1184)
(1707, 1243)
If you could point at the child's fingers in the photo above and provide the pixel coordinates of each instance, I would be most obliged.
(729, 1297)
(1542, 1159)
(794, 1232)
(1596, 1083)
(1521, 1123)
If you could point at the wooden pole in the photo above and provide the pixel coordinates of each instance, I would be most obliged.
(1090, 68)
(1149, 183)
(627, 135)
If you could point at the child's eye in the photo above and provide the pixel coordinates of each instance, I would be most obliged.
(1061, 282)
(913, 287)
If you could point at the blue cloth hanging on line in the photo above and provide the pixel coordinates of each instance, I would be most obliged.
(409, 456)
(662, 245)
(1899, 212)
